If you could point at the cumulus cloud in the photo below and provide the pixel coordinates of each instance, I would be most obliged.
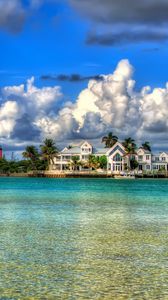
(154, 110)
(118, 21)
(29, 114)
(22, 106)
(109, 97)
(9, 111)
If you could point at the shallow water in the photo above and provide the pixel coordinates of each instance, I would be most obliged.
(83, 239)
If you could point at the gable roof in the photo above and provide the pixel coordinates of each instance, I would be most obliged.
(163, 153)
(144, 150)
(73, 150)
(116, 146)
(85, 142)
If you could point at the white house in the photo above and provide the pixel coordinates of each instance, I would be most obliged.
(144, 158)
(160, 161)
(117, 158)
(82, 150)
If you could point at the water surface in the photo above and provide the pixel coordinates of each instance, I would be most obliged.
(80, 239)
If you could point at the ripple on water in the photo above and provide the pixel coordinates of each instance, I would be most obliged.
(83, 239)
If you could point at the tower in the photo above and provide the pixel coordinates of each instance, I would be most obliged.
(1, 152)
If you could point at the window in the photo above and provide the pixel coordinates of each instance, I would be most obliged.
(140, 157)
(85, 157)
(117, 157)
(86, 150)
(163, 158)
(147, 157)
(147, 167)
(65, 157)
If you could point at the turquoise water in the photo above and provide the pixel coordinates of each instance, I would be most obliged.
(83, 239)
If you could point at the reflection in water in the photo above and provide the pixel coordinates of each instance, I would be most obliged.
(83, 239)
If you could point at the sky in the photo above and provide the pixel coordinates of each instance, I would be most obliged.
(78, 69)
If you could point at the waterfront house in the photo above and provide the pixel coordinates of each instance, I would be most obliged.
(117, 158)
(144, 158)
(82, 151)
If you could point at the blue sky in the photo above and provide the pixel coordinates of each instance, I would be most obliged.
(48, 38)
(52, 41)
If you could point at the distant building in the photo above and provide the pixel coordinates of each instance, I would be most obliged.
(117, 158)
(1, 152)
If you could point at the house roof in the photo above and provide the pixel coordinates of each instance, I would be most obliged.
(144, 150)
(84, 142)
(100, 150)
(73, 150)
(77, 150)
(117, 146)
(165, 153)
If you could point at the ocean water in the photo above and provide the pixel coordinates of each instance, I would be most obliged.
(83, 239)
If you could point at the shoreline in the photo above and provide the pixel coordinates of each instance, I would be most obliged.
(48, 174)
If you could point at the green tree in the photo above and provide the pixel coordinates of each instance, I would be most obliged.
(93, 162)
(109, 140)
(129, 145)
(4, 166)
(48, 151)
(103, 162)
(31, 153)
(133, 163)
(23, 166)
(130, 149)
(75, 162)
(146, 146)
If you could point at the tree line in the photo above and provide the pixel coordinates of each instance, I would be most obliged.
(40, 159)
(33, 159)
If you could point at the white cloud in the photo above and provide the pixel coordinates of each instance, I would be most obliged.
(110, 97)
(23, 106)
(154, 110)
(9, 112)
(28, 113)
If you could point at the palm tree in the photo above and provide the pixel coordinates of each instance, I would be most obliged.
(75, 162)
(129, 145)
(93, 162)
(109, 140)
(48, 150)
(130, 149)
(146, 146)
(32, 154)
